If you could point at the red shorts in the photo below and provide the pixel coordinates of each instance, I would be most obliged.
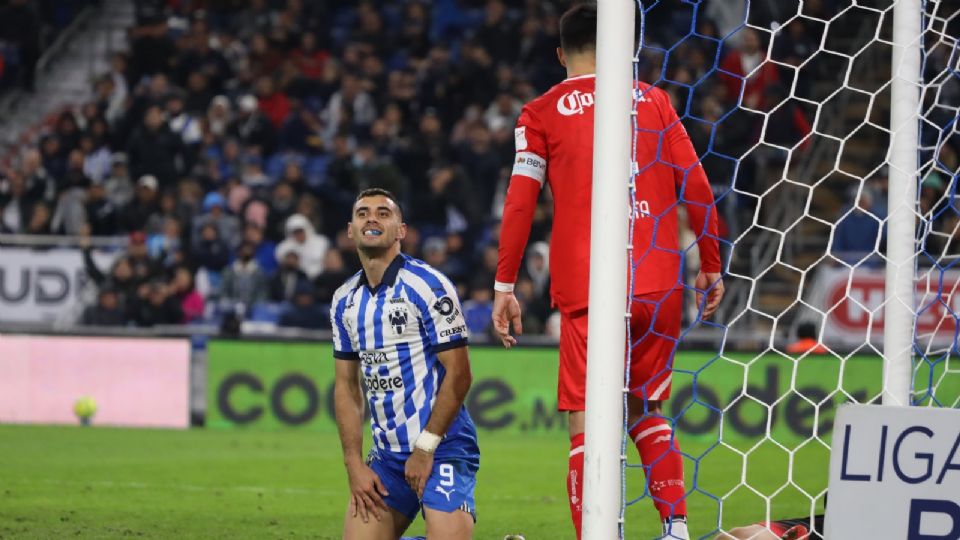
(654, 332)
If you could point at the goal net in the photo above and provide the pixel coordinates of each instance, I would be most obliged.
(789, 105)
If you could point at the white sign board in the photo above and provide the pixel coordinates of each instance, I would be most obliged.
(43, 285)
(894, 474)
(853, 301)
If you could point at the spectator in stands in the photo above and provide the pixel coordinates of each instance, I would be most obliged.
(478, 307)
(134, 216)
(244, 282)
(96, 158)
(210, 252)
(118, 186)
(310, 246)
(215, 213)
(182, 122)
(856, 235)
(806, 342)
(309, 58)
(252, 128)
(100, 213)
(154, 305)
(166, 246)
(40, 219)
(334, 274)
(121, 278)
(106, 312)
(16, 201)
(537, 268)
(219, 116)
(273, 103)
(155, 150)
(752, 72)
(181, 289)
(144, 268)
(304, 311)
(70, 214)
(264, 250)
(350, 106)
(39, 183)
(284, 282)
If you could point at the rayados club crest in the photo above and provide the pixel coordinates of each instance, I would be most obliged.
(398, 318)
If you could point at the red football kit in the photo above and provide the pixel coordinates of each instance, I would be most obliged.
(554, 145)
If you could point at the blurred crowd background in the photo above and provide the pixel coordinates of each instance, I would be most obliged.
(228, 143)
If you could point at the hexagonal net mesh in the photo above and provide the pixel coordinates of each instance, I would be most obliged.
(788, 105)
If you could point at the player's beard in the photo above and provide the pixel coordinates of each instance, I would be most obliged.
(376, 251)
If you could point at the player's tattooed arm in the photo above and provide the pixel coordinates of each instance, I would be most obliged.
(366, 489)
(450, 396)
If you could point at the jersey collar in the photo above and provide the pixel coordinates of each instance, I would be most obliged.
(389, 275)
(578, 77)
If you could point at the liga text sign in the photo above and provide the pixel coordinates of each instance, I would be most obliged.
(894, 473)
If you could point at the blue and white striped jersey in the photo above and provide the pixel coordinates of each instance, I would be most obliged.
(395, 331)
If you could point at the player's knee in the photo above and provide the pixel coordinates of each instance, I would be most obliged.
(575, 422)
(456, 525)
(639, 408)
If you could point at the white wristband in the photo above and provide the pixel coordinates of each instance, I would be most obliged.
(500, 286)
(427, 442)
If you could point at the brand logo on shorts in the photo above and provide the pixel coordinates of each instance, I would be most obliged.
(445, 493)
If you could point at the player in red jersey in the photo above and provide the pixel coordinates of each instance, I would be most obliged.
(554, 144)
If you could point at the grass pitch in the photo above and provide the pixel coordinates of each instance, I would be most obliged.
(58, 482)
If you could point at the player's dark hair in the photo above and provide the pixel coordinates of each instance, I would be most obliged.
(379, 192)
(578, 28)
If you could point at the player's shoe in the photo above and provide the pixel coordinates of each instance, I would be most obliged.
(797, 532)
(675, 529)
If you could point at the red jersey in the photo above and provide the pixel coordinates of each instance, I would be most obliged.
(554, 144)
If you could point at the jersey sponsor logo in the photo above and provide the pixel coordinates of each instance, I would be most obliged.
(520, 138)
(381, 384)
(530, 165)
(641, 209)
(375, 357)
(453, 331)
(444, 306)
(574, 102)
(398, 318)
(641, 96)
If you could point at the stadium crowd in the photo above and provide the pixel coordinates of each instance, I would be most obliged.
(229, 143)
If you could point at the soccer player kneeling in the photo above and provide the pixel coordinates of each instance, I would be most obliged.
(398, 324)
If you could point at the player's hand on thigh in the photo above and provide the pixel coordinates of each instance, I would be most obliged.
(366, 492)
(418, 469)
(456, 525)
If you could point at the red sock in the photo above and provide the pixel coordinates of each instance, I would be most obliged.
(575, 481)
(663, 465)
